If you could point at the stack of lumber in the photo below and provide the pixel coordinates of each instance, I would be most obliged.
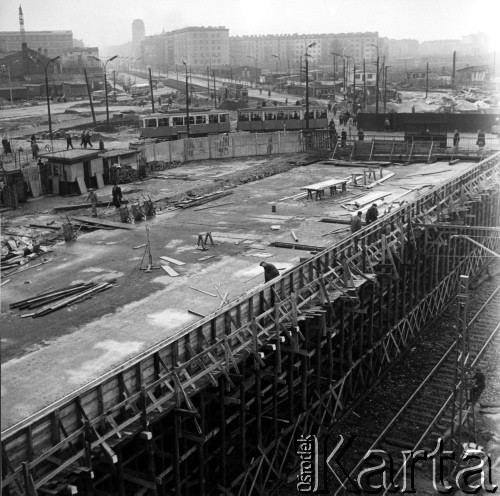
(54, 300)
(123, 174)
(100, 223)
(199, 200)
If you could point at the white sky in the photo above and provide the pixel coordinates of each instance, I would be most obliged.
(109, 22)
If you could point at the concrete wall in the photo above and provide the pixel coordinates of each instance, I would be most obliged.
(463, 122)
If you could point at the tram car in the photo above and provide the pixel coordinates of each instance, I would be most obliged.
(290, 118)
(172, 125)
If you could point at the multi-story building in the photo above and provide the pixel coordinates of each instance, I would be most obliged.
(74, 60)
(400, 50)
(52, 43)
(289, 49)
(198, 46)
(138, 31)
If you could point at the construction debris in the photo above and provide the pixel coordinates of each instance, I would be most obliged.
(199, 200)
(171, 272)
(54, 300)
(101, 222)
(172, 260)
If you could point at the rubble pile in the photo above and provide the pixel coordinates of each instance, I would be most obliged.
(17, 251)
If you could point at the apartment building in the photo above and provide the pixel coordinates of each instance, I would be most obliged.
(51, 43)
(198, 46)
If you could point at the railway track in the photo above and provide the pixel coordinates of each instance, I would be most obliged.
(426, 413)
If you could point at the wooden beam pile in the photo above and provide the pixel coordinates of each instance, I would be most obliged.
(54, 300)
(199, 200)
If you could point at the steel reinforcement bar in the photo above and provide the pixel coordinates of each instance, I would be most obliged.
(129, 399)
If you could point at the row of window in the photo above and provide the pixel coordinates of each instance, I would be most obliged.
(280, 115)
(181, 120)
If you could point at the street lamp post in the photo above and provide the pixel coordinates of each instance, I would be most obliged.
(255, 68)
(376, 80)
(277, 57)
(187, 97)
(307, 82)
(353, 83)
(385, 86)
(106, 83)
(45, 67)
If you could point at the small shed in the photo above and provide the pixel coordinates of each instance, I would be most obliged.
(122, 165)
(71, 172)
(74, 89)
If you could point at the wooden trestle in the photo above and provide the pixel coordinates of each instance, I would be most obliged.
(216, 409)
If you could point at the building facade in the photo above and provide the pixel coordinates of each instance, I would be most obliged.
(198, 46)
(289, 49)
(51, 43)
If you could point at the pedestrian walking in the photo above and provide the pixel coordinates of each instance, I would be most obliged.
(34, 149)
(84, 140)
(92, 198)
(371, 214)
(87, 138)
(456, 140)
(343, 138)
(481, 140)
(361, 134)
(387, 124)
(116, 192)
(335, 108)
(6, 146)
(33, 138)
(69, 142)
(479, 385)
(270, 271)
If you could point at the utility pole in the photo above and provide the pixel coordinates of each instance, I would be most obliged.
(376, 79)
(307, 82)
(215, 90)
(364, 85)
(151, 90)
(385, 86)
(453, 70)
(427, 80)
(187, 97)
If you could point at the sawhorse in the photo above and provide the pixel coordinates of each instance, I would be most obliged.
(203, 242)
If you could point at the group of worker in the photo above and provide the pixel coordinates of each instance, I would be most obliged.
(116, 194)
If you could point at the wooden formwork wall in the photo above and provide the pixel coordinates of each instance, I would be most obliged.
(217, 406)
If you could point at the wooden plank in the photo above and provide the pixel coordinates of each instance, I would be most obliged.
(43, 226)
(364, 200)
(324, 184)
(171, 272)
(81, 185)
(172, 260)
(101, 222)
(100, 180)
(388, 176)
(204, 292)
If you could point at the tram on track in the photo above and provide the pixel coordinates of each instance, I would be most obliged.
(289, 118)
(172, 125)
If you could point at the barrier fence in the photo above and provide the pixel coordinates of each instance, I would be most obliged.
(224, 146)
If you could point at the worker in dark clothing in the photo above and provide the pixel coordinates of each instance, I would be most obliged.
(270, 271)
(356, 226)
(361, 135)
(69, 142)
(356, 222)
(6, 146)
(479, 385)
(343, 138)
(456, 139)
(371, 214)
(117, 195)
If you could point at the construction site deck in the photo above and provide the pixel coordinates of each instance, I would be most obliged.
(194, 376)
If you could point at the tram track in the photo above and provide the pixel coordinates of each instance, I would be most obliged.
(425, 413)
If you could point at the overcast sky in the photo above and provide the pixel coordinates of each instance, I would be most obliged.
(109, 22)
